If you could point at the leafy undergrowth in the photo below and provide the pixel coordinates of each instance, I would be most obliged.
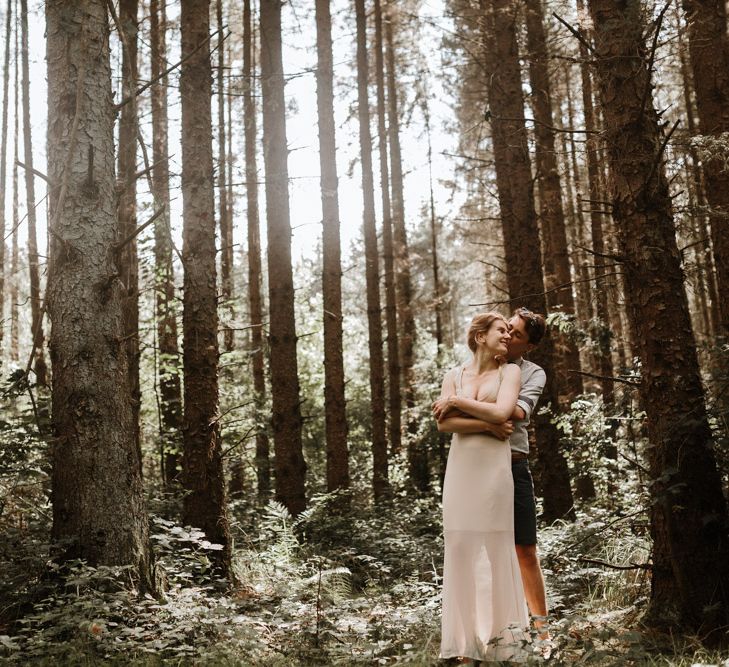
(325, 589)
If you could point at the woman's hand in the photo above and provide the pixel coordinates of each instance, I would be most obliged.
(442, 406)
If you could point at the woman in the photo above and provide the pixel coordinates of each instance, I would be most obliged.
(484, 612)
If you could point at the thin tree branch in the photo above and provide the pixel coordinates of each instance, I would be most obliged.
(521, 297)
(605, 377)
(543, 124)
(40, 174)
(575, 32)
(171, 68)
(632, 566)
(635, 463)
(118, 246)
(659, 155)
(652, 58)
(615, 258)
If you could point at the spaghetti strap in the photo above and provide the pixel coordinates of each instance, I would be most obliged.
(459, 387)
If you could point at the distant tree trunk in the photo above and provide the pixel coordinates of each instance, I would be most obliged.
(98, 499)
(558, 278)
(596, 223)
(4, 157)
(437, 289)
(169, 355)
(709, 55)
(417, 453)
(689, 513)
(225, 222)
(286, 413)
(707, 298)
(14, 263)
(393, 351)
(521, 235)
(334, 403)
(126, 203)
(35, 303)
(229, 161)
(263, 466)
(202, 463)
(576, 227)
(380, 481)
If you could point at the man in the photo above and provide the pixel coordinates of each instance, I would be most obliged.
(527, 330)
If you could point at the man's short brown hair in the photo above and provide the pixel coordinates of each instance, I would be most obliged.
(534, 324)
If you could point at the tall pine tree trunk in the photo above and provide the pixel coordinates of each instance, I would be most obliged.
(169, 355)
(709, 55)
(576, 226)
(437, 288)
(4, 157)
(14, 251)
(334, 403)
(521, 235)
(225, 219)
(394, 402)
(557, 278)
(263, 465)
(286, 414)
(35, 300)
(708, 304)
(98, 501)
(596, 224)
(417, 454)
(202, 464)
(380, 481)
(127, 202)
(689, 514)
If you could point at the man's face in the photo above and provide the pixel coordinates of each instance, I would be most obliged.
(519, 343)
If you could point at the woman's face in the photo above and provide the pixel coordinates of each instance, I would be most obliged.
(496, 339)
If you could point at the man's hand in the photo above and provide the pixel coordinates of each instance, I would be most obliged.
(502, 431)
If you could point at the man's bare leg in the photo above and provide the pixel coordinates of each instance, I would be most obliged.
(531, 576)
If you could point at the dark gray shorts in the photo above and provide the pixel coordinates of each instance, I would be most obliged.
(525, 508)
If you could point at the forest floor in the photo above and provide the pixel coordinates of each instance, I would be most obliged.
(324, 589)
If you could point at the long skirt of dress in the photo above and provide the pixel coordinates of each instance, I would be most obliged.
(484, 610)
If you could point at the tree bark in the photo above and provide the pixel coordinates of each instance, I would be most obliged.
(380, 481)
(98, 500)
(417, 453)
(708, 304)
(286, 412)
(521, 235)
(557, 274)
(225, 222)
(689, 515)
(334, 402)
(14, 254)
(709, 54)
(437, 288)
(4, 156)
(169, 354)
(202, 464)
(35, 302)
(127, 203)
(576, 226)
(394, 401)
(263, 466)
(596, 225)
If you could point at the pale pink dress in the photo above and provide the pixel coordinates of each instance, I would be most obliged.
(484, 610)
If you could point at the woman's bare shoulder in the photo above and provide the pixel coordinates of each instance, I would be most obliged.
(511, 371)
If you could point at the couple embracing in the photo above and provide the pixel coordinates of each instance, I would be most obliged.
(491, 566)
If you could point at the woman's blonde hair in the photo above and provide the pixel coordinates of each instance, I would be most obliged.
(481, 324)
